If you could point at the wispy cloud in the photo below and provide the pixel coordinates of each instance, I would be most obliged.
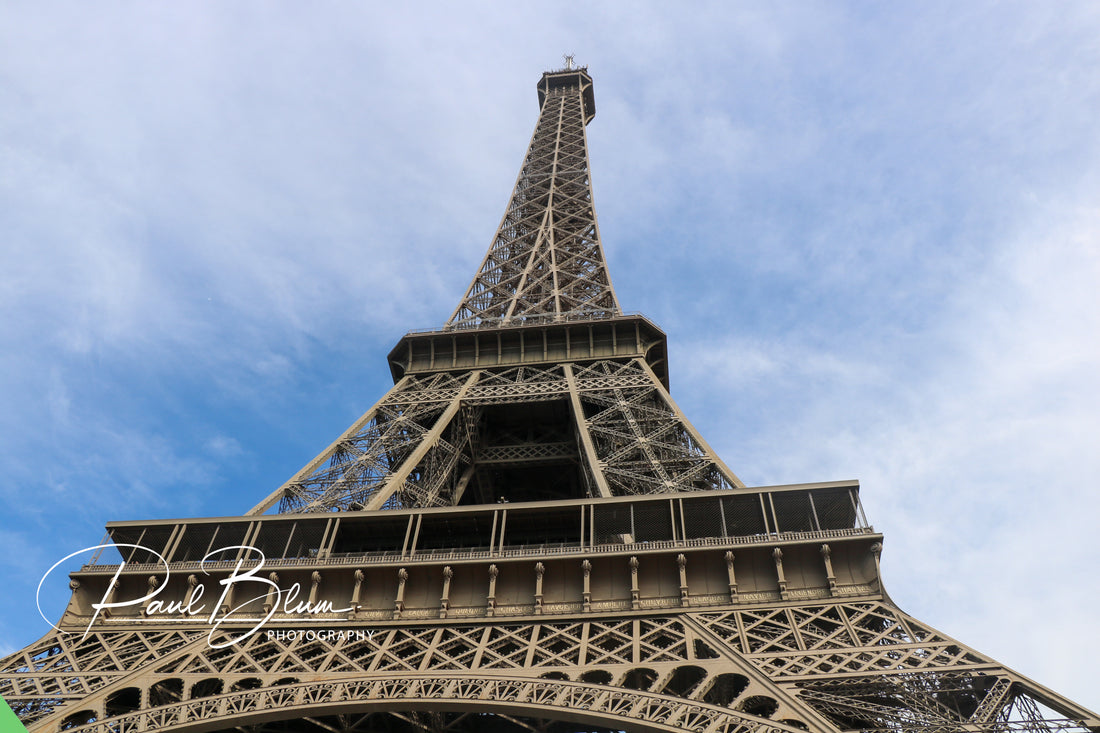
(974, 439)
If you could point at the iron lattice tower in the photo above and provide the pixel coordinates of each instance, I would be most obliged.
(524, 533)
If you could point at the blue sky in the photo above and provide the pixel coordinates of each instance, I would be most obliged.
(870, 231)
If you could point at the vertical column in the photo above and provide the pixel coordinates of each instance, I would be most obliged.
(586, 595)
(399, 602)
(681, 563)
(539, 570)
(152, 583)
(778, 555)
(445, 599)
(826, 554)
(272, 593)
(732, 576)
(635, 602)
(112, 589)
(192, 583)
(356, 591)
(226, 601)
(492, 597)
(876, 550)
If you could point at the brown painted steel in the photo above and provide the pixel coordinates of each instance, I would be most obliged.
(525, 533)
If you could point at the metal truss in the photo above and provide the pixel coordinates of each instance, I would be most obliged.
(841, 666)
(546, 262)
(429, 437)
(747, 610)
(586, 703)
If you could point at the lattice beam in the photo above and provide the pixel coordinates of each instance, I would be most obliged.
(414, 448)
(546, 262)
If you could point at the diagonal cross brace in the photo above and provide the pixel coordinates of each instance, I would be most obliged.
(397, 479)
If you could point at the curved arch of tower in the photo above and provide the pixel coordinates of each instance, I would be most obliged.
(524, 534)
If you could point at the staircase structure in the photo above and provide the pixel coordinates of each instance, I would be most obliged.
(524, 533)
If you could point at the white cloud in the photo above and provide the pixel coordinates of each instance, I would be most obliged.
(975, 442)
(223, 446)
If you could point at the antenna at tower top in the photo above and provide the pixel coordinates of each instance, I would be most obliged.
(568, 61)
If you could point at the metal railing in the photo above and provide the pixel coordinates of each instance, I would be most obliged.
(536, 319)
(384, 557)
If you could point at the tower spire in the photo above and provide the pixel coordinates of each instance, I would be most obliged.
(546, 263)
(538, 387)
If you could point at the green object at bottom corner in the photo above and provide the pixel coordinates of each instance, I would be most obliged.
(9, 723)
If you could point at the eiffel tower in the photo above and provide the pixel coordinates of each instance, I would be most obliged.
(524, 533)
